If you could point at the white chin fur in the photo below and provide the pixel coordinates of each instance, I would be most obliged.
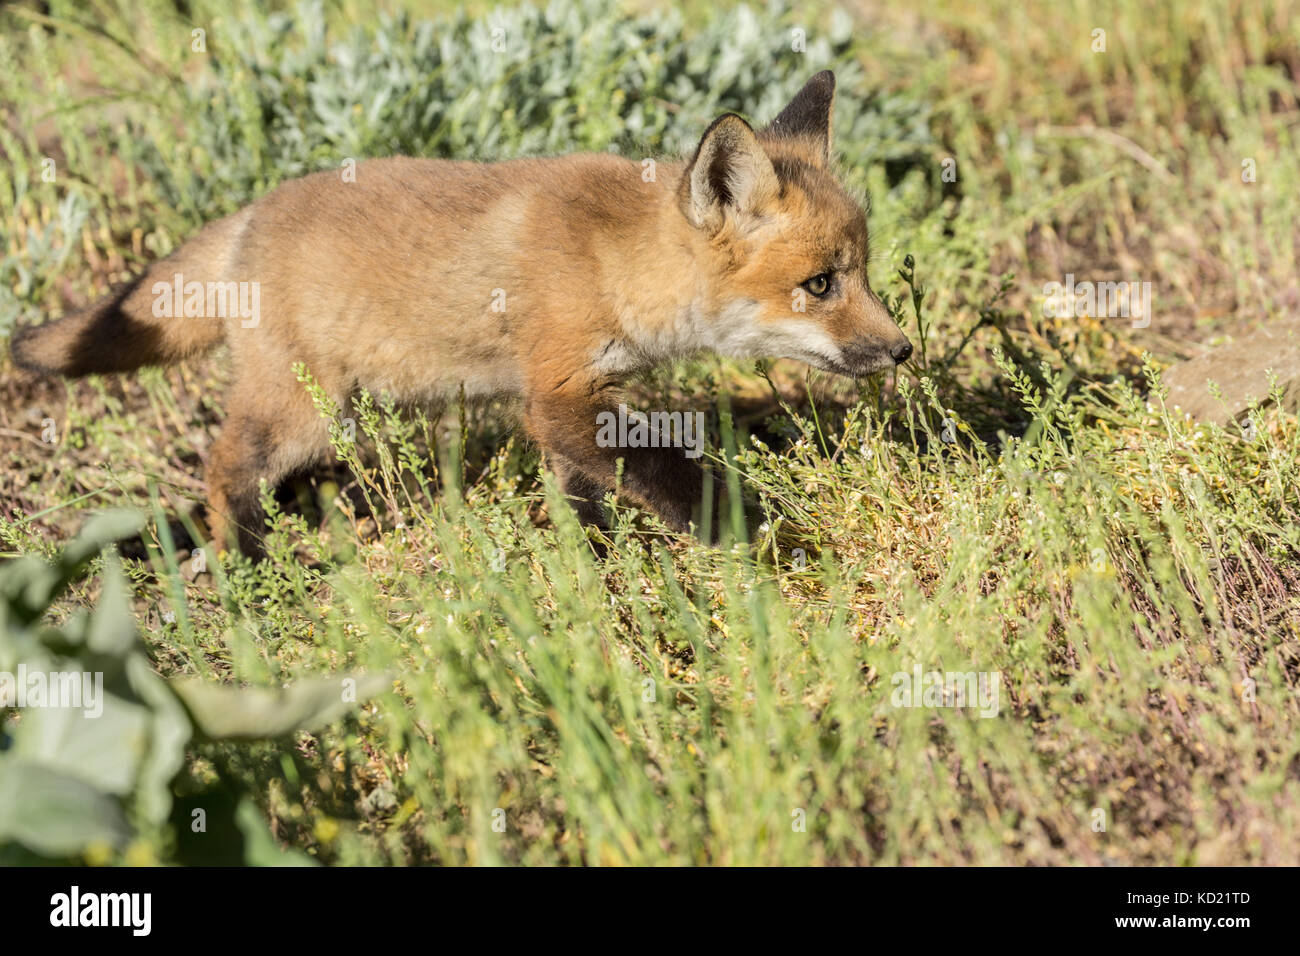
(738, 332)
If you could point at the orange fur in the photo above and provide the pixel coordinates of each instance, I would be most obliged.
(550, 279)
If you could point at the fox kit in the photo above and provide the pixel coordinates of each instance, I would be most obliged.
(548, 279)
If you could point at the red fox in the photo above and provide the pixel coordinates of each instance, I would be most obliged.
(547, 279)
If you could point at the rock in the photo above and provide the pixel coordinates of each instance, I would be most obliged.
(1242, 370)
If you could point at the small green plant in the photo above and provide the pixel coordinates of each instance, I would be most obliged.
(91, 774)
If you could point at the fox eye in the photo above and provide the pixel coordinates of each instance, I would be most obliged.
(819, 284)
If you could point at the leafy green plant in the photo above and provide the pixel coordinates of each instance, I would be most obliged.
(89, 778)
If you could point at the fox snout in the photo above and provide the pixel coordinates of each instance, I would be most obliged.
(869, 354)
(877, 343)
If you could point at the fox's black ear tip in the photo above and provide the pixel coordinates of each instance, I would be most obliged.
(821, 84)
(733, 120)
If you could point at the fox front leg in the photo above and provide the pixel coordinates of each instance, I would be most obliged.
(664, 480)
(585, 496)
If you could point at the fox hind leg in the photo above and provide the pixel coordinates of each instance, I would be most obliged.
(266, 437)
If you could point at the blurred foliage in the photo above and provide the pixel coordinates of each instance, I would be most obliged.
(83, 780)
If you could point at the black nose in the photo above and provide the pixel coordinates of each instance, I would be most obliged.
(901, 352)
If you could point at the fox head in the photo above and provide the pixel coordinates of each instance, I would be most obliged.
(788, 244)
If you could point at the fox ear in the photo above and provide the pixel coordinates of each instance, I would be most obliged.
(808, 115)
(730, 169)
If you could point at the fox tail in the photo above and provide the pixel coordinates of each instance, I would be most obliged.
(123, 331)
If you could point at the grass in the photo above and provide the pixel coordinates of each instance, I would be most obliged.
(1020, 505)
